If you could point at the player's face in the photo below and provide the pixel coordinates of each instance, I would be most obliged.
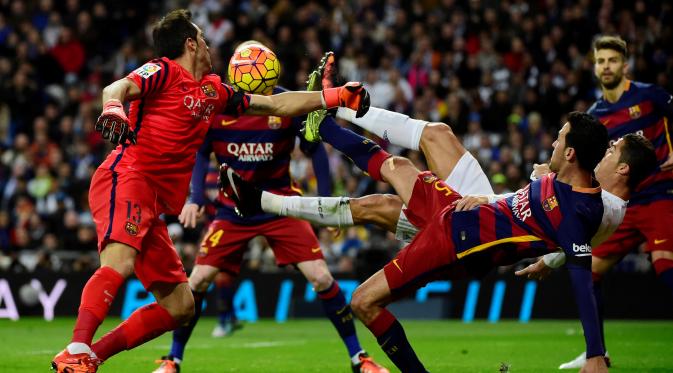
(609, 67)
(608, 166)
(558, 155)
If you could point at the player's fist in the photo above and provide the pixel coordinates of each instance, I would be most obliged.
(351, 95)
(113, 123)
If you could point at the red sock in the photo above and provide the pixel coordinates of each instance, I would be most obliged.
(375, 163)
(381, 323)
(143, 325)
(97, 297)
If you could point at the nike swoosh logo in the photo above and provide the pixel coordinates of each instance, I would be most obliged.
(228, 122)
(315, 250)
(397, 265)
(657, 242)
(339, 312)
(606, 122)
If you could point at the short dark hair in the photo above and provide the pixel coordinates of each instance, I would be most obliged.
(638, 152)
(588, 137)
(170, 33)
(613, 42)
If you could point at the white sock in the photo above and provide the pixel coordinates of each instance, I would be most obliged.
(355, 359)
(329, 211)
(177, 361)
(79, 348)
(397, 128)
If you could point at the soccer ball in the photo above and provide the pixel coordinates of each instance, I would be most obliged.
(254, 69)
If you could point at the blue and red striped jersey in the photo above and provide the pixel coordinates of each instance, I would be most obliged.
(644, 109)
(538, 219)
(258, 148)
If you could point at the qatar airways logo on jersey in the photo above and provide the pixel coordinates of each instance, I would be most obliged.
(251, 151)
(198, 108)
(521, 204)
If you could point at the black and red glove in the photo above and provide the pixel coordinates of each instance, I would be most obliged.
(113, 123)
(351, 95)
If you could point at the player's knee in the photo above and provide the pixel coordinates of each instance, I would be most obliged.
(396, 163)
(183, 312)
(437, 133)
(320, 278)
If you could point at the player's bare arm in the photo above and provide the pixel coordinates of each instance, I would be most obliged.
(290, 104)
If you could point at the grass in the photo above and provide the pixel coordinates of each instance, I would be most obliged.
(313, 346)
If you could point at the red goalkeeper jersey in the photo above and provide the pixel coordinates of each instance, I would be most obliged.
(170, 119)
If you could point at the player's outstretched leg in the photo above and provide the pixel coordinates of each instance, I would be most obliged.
(380, 209)
(199, 280)
(174, 306)
(339, 312)
(100, 290)
(368, 303)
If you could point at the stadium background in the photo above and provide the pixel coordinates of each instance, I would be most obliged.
(501, 73)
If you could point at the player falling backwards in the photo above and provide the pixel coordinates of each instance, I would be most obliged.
(173, 99)
(553, 220)
(449, 160)
(628, 162)
(293, 241)
(633, 107)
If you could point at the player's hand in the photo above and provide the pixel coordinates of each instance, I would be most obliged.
(668, 165)
(540, 170)
(470, 202)
(595, 364)
(113, 123)
(190, 213)
(351, 95)
(535, 271)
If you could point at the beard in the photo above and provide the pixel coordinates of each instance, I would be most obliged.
(614, 83)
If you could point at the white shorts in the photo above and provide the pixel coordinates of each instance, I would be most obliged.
(466, 178)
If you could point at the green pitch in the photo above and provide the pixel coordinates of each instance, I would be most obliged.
(313, 346)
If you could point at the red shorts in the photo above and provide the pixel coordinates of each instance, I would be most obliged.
(124, 209)
(291, 240)
(642, 223)
(430, 255)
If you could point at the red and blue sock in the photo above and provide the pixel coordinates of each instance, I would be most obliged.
(393, 341)
(182, 334)
(365, 153)
(144, 324)
(339, 312)
(97, 297)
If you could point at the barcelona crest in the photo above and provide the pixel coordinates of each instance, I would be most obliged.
(275, 122)
(550, 203)
(131, 228)
(634, 112)
(209, 90)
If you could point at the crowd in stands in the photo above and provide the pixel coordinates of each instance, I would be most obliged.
(501, 73)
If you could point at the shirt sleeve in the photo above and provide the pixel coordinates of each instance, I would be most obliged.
(574, 239)
(662, 100)
(152, 77)
(235, 103)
